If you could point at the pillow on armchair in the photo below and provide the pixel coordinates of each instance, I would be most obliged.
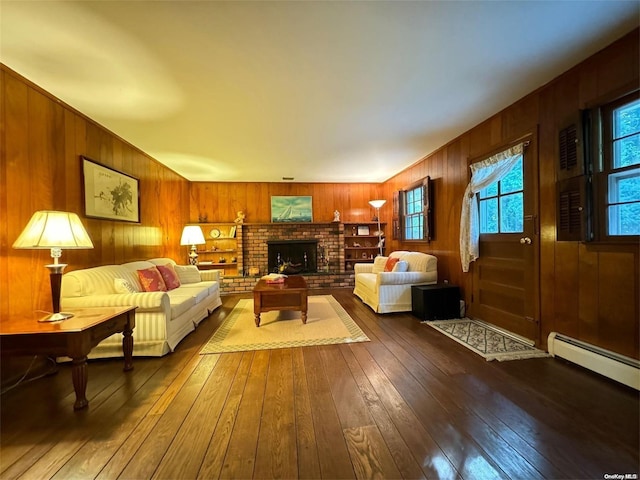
(390, 264)
(401, 266)
(379, 264)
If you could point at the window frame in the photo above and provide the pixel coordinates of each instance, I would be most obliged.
(427, 229)
(602, 143)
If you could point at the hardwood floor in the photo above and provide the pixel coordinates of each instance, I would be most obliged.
(409, 404)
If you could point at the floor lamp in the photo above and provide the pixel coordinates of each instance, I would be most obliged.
(377, 204)
(56, 231)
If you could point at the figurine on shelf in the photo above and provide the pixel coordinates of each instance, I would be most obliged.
(336, 216)
(240, 218)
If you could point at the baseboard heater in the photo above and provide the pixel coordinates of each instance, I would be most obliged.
(618, 367)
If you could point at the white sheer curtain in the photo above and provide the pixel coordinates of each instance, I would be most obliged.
(483, 174)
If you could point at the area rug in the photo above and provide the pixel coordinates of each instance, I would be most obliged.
(327, 324)
(486, 340)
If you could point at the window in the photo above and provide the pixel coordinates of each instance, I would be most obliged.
(501, 204)
(414, 214)
(412, 218)
(619, 169)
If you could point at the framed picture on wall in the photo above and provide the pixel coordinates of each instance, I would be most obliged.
(291, 209)
(110, 194)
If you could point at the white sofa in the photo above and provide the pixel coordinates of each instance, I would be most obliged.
(387, 292)
(163, 319)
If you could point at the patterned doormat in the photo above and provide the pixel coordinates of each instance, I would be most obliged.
(327, 324)
(487, 340)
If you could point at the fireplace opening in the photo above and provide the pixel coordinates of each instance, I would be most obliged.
(293, 256)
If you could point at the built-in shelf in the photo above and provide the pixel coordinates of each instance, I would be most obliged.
(223, 240)
(361, 238)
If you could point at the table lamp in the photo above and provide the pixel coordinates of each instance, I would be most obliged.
(377, 204)
(56, 231)
(192, 235)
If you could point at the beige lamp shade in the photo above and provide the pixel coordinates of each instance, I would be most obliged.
(192, 235)
(51, 229)
(377, 203)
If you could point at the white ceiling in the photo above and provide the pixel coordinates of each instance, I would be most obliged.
(324, 91)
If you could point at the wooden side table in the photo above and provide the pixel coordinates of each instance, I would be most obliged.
(74, 338)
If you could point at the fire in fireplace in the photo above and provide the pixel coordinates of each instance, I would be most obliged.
(293, 256)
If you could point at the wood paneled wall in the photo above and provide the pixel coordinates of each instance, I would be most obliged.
(220, 202)
(40, 169)
(588, 291)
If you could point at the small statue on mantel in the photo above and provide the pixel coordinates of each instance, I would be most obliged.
(240, 217)
(336, 216)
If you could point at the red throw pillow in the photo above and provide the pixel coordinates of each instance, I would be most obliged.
(391, 262)
(169, 275)
(151, 280)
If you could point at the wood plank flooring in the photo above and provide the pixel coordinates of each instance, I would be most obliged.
(409, 404)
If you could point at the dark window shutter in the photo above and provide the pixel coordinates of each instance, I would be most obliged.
(569, 148)
(573, 209)
(571, 151)
(427, 195)
(395, 228)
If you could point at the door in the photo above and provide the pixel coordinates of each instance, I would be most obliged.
(505, 277)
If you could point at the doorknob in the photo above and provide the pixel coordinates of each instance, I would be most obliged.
(525, 240)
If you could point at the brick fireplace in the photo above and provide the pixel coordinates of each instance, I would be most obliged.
(292, 257)
(328, 237)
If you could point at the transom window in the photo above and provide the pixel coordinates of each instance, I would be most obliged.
(414, 214)
(502, 204)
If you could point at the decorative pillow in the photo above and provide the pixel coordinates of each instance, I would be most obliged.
(390, 263)
(401, 266)
(169, 275)
(151, 280)
(188, 273)
(378, 264)
(124, 286)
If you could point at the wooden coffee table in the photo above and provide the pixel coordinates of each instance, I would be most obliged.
(74, 337)
(290, 295)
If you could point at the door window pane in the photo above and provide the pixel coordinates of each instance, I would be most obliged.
(511, 218)
(502, 204)
(512, 182)
(490, 191)
(489, 216)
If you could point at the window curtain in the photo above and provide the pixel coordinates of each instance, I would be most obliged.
(483, 174)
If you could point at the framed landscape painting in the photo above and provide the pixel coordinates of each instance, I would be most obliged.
(110, 194)
(291, 209)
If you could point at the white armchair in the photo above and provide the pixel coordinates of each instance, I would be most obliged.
(387, 292)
